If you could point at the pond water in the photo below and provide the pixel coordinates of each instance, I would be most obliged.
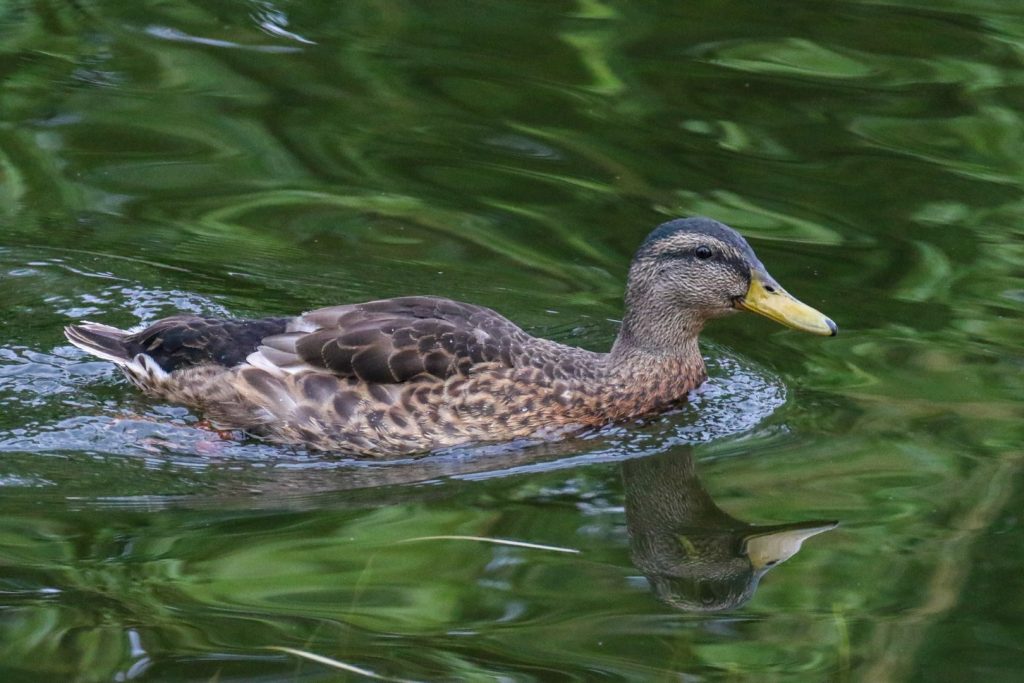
(257, 157)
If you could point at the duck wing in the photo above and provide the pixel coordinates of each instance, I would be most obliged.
(394, 340)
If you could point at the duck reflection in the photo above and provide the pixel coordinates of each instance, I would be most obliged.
(695, 556)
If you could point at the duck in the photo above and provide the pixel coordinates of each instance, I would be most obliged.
(420, 374)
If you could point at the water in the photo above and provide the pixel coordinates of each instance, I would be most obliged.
(258, 158)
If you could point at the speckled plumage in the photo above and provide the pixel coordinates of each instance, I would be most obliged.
(420, 373)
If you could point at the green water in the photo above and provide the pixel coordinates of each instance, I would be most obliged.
(258, 157)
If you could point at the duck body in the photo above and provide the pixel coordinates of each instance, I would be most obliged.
(416, 374)
(387, 377)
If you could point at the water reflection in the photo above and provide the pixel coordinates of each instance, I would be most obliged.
(696, 556)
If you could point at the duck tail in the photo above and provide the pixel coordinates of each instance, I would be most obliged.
(110, 343)
(103, 341)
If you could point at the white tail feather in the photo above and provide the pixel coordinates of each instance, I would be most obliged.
(143, 371)
(83, 343)
(98, 352)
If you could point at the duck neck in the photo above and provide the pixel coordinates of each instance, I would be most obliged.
(656, 360)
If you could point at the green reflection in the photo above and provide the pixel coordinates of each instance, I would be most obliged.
(253, 158)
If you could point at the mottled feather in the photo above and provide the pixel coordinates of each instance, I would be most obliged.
(398, 340)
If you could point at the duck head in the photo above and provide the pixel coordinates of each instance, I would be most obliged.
(690, 270)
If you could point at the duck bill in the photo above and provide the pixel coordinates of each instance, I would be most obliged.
(766, 297)
(770, 546)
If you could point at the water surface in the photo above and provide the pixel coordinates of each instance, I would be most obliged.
(263, 158)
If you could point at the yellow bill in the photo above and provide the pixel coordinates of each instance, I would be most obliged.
(766, 297)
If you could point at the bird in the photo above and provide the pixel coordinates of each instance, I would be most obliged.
(419, 374)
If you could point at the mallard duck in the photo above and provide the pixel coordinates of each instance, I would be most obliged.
(419, 373)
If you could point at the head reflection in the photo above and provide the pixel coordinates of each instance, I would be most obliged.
(695, 556)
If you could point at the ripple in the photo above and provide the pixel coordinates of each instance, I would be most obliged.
(176, 35)
(788, 56)
(975, 146)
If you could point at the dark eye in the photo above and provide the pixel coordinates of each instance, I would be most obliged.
(702, 252)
